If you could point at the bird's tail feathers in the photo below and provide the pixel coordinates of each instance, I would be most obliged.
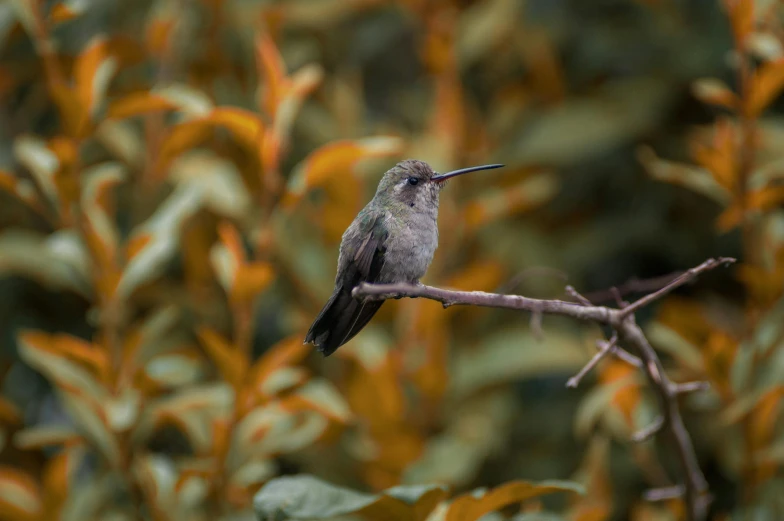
(340, 319)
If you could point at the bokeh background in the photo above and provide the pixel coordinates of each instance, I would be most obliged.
(176, 177)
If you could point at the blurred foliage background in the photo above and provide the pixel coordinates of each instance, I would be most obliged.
(176, 177)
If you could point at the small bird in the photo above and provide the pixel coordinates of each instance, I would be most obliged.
(392, 239)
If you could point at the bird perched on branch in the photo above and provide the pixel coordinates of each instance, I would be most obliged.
(392, 239)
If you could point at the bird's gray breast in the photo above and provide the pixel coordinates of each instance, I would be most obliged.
(410, 246)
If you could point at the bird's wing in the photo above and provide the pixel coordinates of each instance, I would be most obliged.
(344, 316)
(367, 261)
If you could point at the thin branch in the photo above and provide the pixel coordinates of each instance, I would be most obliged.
(690, 387)
(633, 286)
(627, 356)
(618, 298)
(576, 296)
(682, 279)
(628, 333)
(649, 431)
(665, 493)
(605, 349)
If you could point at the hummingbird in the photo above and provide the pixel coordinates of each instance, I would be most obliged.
(392, 239)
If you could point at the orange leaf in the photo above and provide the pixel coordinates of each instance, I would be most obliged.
(541, 57)
(157, 35)
(758, 201)
(65, 149)
(11, 184)
(338, 158)
(374, 391)
(766, 84)
(59, 473)
(470, 506)
(100, 232)
(245, 126)
(92, 71)
(62, 12)
(136, 244)
(741, 13)
(71, 108)
(8, 182)
(342, 202)
(181, 137)
(139, 103)
(270, 64)
(229, 258)
(592, 512)
(251, 280)
(396, 450)
(627, 397)
(221, 434)
(762, 429)
(720, 157)
(231, 362)
(20, 495)
(84, 353)
(9, 413)
(270, 152)
(232, 240)
(288, 352)
(764, 417)
(302, 84)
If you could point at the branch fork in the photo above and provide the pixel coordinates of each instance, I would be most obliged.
(625, 332)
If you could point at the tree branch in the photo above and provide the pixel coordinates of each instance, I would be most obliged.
(633, 285)
(627, 333)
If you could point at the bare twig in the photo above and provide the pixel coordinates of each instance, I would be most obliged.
(650, 431)
(627, 356)
(695, 488)
(576, 296)
(618, 298)
(665, 493)
(690, 387)
(633, 286)
(678, 281)
(605, 349)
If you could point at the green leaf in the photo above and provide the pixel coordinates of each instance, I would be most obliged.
(671, 342)
(41, 162)
(514, 354)
(57, 261)
(597, 403)
(162, 234)
(455, 456)
(307, 497)
(694, 178)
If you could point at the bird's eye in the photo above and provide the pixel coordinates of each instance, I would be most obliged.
(413, 181)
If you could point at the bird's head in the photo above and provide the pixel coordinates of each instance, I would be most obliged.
(413, 183)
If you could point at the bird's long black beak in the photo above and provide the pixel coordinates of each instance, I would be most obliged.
(440, 178)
